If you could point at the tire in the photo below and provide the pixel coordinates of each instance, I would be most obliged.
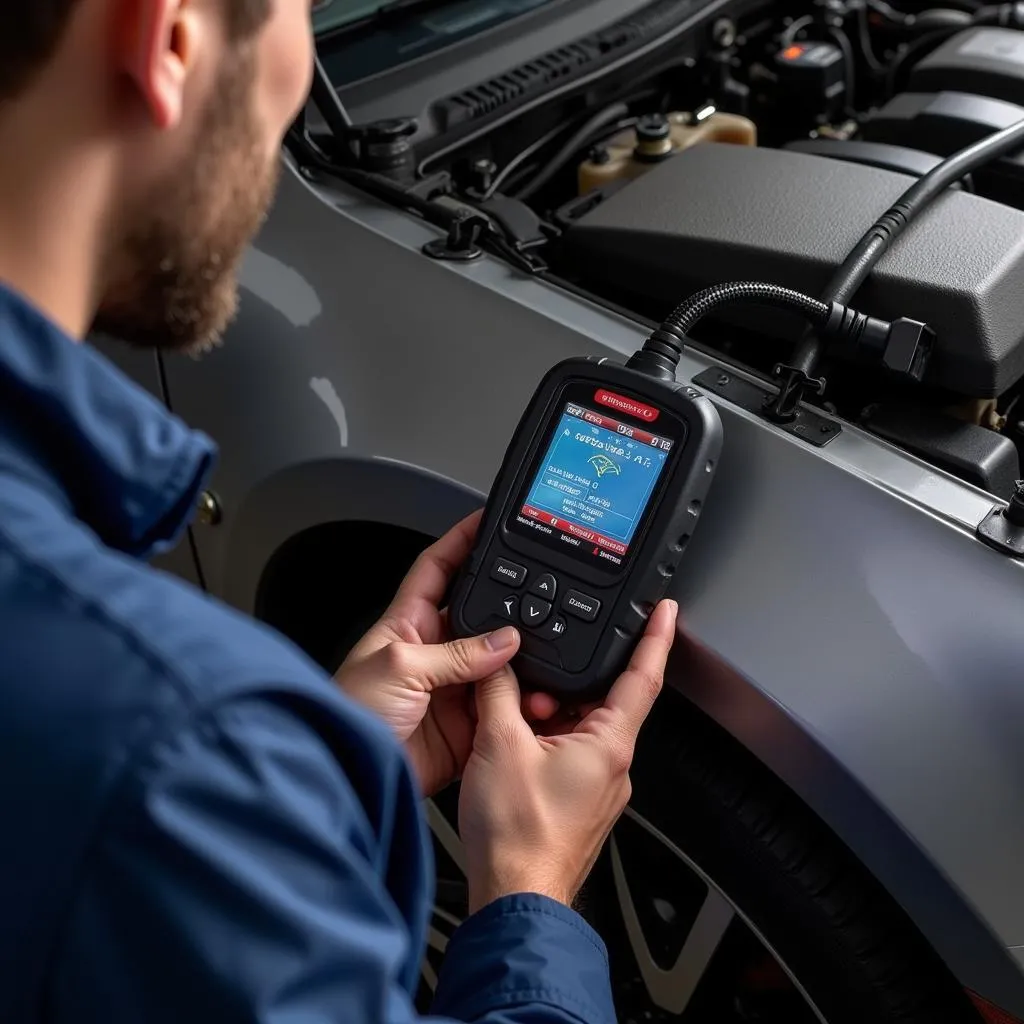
(854, 952)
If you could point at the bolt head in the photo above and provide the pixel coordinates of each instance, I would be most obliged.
(723, 32)
(208, 509)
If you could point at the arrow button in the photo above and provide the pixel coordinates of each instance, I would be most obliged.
(534, 611)
(509, 606)
(545, 586)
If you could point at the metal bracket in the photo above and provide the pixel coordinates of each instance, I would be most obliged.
(806, 424)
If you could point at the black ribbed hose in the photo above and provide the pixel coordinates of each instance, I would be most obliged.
(685, 316)
(902, 346)
(660, 354)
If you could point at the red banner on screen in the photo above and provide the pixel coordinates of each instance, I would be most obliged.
(630, 406)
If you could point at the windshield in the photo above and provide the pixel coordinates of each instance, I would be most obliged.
(331, 14)
(456, 17)
(354, 44)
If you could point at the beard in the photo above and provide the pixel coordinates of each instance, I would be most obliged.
(171, 277)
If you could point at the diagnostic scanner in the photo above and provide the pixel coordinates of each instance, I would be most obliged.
(599, 492)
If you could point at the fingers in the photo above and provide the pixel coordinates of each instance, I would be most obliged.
(539, 707)
(633, 694)
(434, 569)
(460, 661)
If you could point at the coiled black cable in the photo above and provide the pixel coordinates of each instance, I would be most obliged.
(878, 239)
(660, 353)
(902, 346)
(875, 243)
(687, 314)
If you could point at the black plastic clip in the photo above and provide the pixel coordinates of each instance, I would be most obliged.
(1003, 528)
(460, 244)
(794, 387)
(807, 424)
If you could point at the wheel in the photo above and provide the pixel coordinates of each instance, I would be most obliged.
(723, 900)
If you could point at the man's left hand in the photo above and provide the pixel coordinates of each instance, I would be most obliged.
(413, 675)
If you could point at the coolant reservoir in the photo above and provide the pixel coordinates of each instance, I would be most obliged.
(657, 137)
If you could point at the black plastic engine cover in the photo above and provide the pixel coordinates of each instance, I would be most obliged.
(720, 212)
(944, 122)
(988, 61)
(914, 162)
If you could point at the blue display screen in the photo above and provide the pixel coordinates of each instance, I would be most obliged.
(595, 480)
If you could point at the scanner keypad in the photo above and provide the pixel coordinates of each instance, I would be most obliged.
(536, 608)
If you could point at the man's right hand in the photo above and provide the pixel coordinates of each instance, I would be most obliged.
(535, 810)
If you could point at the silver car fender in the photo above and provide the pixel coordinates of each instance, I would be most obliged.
(844, 623)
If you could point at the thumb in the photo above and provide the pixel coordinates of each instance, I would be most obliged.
(465, 660)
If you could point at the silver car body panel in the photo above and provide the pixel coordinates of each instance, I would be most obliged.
(839, 617)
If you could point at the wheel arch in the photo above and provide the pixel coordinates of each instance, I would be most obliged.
(303, 593)
(353, 496)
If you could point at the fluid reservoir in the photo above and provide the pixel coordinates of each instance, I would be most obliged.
(657, 137)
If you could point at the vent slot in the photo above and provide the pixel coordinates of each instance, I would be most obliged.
(485, 98)
(536, 75)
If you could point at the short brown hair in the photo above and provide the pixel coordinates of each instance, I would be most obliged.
(31, 31)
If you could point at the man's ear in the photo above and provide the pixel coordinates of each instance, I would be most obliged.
(159, 45)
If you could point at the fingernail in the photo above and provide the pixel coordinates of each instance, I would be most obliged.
(503, 638)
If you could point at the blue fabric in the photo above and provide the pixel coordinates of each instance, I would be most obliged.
(194, 824)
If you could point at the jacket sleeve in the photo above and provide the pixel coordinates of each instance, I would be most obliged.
(241, 875)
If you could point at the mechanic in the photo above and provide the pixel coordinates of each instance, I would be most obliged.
(195, 823)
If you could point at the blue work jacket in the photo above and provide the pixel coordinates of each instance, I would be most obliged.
(195, 824)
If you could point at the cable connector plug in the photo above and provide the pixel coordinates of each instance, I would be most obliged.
(902, 346)
(660, 354)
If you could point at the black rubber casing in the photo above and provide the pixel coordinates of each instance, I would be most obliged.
(654, 553)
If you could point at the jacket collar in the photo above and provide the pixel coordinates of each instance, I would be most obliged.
(129, 469)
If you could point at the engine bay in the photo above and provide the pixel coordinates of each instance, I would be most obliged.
(688, 144)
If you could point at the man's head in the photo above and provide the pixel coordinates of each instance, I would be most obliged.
(180, 109)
